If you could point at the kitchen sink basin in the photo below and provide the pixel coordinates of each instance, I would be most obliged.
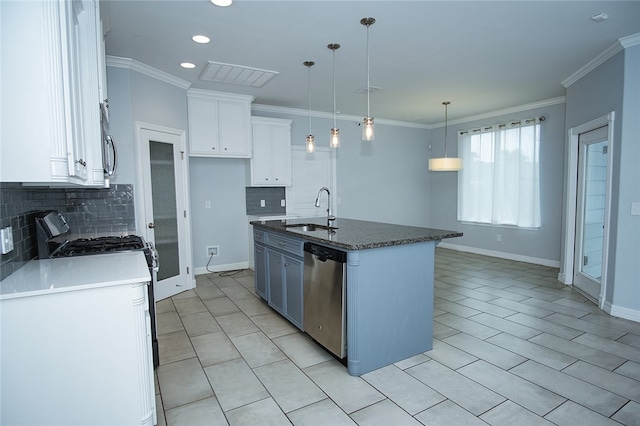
(310, 227)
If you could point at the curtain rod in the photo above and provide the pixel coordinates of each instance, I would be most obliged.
(513, 124)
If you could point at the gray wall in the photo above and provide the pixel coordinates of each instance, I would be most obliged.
(614, 86)
(542, 243)
(222, 182)
(385, 180)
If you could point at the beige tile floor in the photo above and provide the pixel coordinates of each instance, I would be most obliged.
(512, 346)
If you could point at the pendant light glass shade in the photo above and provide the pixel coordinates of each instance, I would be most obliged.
(311, 144)
(334, 141)
(310, 138)
(445, 164)
(368, 131)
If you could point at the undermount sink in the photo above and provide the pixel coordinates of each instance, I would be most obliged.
(310, 227)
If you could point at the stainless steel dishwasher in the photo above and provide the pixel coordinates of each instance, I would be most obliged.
(324, 297)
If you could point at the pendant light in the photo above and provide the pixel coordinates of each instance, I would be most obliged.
(310, 138)
(334, 141)
(445, 164)
(368, 133)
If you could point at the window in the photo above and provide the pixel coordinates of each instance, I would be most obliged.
(500, 181)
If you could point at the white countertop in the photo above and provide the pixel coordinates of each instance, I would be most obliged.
(75, 273)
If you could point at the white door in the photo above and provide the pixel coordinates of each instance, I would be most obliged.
(309, 173)
(590, 211)
(165, 197)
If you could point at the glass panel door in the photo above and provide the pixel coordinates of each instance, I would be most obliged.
(594, 203)
(590, 212)
(165, 214)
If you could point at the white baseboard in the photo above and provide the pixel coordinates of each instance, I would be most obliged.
(221, 268)
(620, 312)
(502, 255)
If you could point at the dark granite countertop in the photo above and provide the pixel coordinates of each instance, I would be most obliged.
(354, 234)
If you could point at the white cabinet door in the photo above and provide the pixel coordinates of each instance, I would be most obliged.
(50, 100)
(271, 161)
(219, 124)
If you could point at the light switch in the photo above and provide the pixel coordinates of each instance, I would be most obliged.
(262, 204)
(635, 209)
(282, 203)
(207, 204)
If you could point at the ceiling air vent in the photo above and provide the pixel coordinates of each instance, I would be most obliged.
(236, 74)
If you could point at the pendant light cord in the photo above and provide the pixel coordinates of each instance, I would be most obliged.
(368, 85)
(446, 105)
(334, 88)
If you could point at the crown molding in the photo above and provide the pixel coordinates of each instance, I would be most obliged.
(618, 46)
(132, 64)
(506, 111)
(329, 115)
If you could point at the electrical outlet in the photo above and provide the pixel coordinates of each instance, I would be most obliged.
(6, 237)
(282, 203)
(213, 251)
(207, 204)
(262, 204)
(635, 209)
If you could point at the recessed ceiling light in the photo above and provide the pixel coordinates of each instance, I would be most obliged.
(187, 65)
(200, 39)
(222, 3)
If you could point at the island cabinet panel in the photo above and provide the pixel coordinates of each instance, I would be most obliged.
(219, 124)
(389, 305)
(275, 282)
(293, 286)
(260, 256)
(279, 274)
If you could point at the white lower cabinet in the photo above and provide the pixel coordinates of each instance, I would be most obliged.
(77, 354)
(271, 161)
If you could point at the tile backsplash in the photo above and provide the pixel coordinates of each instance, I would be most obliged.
(88, 210)
(272, 197)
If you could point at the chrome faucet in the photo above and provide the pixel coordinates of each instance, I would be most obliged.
(330, 217)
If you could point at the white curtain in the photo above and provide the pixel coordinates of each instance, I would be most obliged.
(500, 181)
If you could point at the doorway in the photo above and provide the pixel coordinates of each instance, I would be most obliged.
(593, 149)
(162, 205)
(588, 208)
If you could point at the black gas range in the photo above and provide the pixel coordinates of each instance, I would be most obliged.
(52, 231)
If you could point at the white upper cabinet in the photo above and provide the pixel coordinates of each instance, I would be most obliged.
(271, 161)
(219, 124)
(52, 67)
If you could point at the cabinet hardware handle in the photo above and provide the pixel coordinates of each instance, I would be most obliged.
(225, 148)
(81, 162)
(282, 244)
(151, 225)
(286, 264)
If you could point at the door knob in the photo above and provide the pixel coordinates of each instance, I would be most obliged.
(151, 225)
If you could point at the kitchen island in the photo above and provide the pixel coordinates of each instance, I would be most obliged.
(389, 282)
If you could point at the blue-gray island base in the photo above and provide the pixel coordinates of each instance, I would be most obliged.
(390, 272)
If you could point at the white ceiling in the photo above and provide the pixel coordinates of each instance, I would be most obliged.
(482, 56)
